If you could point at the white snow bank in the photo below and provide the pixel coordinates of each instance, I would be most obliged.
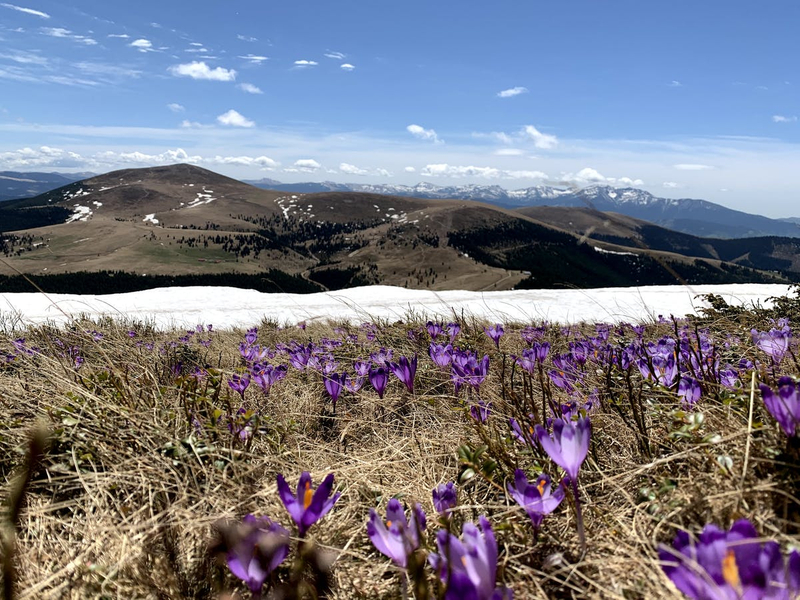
(232, 307)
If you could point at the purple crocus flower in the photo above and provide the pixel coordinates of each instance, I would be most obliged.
(405, 370)
(434, 329)
(774, 342)
(441, 354)
(307, 506)
(689, 390)
(495, 332)
(480, 411)
(261, 546)
(251, 336)
(445, 498)
(379, 377)
(334, 382)
(731, 564)
(568, 448)
(785, 405)
(397, 537)
(382, 357)
(354, 384)
(239, 383)
(468, 566)
(453, 329)
(265, 376)
(536, 498)
(467, 369)
(540, 350)
(527, 361)
(361, 368)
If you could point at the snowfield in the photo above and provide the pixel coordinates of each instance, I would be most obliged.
(233, 307)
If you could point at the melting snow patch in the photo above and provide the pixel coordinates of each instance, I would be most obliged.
(604, 251)
(80, 213)
(151, 218)
(97, 204)
(203, 197)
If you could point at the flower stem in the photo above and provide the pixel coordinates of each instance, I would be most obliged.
(579, 516)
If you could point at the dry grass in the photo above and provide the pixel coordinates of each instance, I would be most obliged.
(125, 503)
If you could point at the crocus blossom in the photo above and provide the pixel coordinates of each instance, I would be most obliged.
(378, 378)
(445, 498)
(784, 405)
(569, 444)
(468, 566)
(261, 546)
(397, 537)
(495, 332)
(405, 370)
(538, 499)
(307, 506)
(774, 342)
(731, 565)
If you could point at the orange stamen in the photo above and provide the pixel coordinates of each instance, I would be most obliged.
(729, 570)
(540, 487)
(308, 495)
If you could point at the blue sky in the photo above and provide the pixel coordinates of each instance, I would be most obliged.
(682, 98)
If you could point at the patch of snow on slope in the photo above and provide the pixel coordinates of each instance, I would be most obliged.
(604, 251)
(204, 197)
(80, 213)
(151, 218)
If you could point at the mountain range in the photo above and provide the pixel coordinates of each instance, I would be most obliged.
(687, 215)
(14, 184)
(188, 221)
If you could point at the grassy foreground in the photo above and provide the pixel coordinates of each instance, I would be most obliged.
(148, 455)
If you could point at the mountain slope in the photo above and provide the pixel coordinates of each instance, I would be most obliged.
(14, 185)
(182, 219)
(696, 217)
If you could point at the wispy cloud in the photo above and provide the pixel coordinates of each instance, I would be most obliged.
(457, 171)
(234, 119)
(307, 165)
(347, 67)
(60, 32)
(334, 55)
(541, 140)
(142, 45)
(674, 83)
(122, 36)
(410, 170)
(246, 38)
(175, 107)
(670, 185)
(508, 152)
(783, 119)
(26, 58)
(305, 63)
(588, 176)
(29, 11)
(263, 162)
(200, 70)
(424, 134)
(352, 169)
(254, 58)
(692, 167)
(511, 92)
(108, 73)
(249, 88)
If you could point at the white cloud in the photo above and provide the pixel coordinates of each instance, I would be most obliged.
(200, 70)
(410, 170)
(264, 162)
(383, 172)
(424, 134)
(246, 38)
(305, 63)
(347, 67)
(588, 176)
(179, 155)
(142, 45)
(30, 11)
(509, 152)
(334, 55)
(445, 170)
(26, 58)
(175, 107)
(122, 36)
(675, 83)
(60, 32)
(186, 124)
(541, 140)
(670, 185)
(692, 167)
(352, 169)
(249, 88)
(234, 119)
(511, 92)
(254, 58)
(783, 119)
(308, 165)
(44, 156)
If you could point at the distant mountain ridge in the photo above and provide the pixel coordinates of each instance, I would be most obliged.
(686, 215)
(15, 184)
